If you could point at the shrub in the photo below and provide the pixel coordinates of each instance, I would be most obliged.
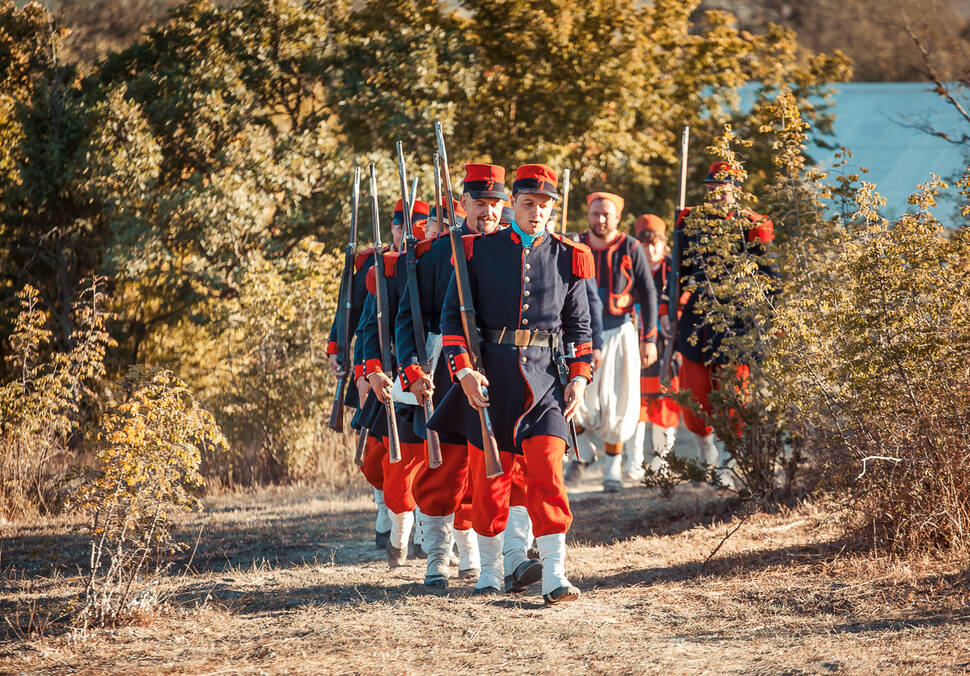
(148, 454)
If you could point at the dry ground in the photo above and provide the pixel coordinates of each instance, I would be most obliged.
(288, 581)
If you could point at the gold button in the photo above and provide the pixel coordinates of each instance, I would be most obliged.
(525, 307)
(528, 267)
(525, 321)
(527, 252)
(525, 279)
(524, 360)
(526, 292)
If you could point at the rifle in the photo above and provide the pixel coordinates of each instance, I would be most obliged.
(417, 319)
(676, 254)
(565, 200)
(361, 447)
(493, 464)
(568, 352)
(383, 319)
(342, 320)
(437, 194)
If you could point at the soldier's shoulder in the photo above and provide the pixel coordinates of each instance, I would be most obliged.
(581, 257)
(762, 229)
(362, 257)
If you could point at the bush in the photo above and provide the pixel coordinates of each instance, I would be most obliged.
(148, 455)
(45, 407)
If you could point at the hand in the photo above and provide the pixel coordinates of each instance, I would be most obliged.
(381, 384)
(472, 385)
(422, 388)
(335, 366)
(597, 359)
(363, 387)
(665, 326)
(575, 391)
(648, 354)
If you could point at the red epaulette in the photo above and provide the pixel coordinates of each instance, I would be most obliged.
(424, 246)
(584, 266)
(468, 242)
(362, 257)
(390, 263)
(371, 280)
(683, 215)
(763, 230)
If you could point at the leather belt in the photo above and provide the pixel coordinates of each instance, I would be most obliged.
(521, 337)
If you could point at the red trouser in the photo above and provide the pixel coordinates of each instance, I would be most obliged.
(543, 493)
(439, 491)
(373, 471)
(661, 411)
(399, 477)
(699, 379)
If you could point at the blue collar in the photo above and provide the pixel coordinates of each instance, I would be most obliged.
(527, 240)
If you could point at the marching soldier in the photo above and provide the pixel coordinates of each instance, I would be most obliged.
(397, 477)
(611, 408)
(702, 358)
(527, 287)
(659, 414)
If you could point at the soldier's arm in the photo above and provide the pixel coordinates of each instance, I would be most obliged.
(646, 295)
(575, 316)
(595, 313)
(454, 347)
(405, 343)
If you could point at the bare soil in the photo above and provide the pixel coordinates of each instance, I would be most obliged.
(289, 581)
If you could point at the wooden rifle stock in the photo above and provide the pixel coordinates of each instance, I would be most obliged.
(493, 463)
(676, 255)
(361, 447)
(383, 320)
(414, 297)
(344, 302)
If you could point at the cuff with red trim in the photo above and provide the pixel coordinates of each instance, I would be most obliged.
(410, 375)
(663, 309)
(374, 366)
(358, 371)
(583, 349)
(457, 362)
(332, 347)
(581, 368)
(650, 336)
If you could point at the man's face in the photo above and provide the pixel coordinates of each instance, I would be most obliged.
(722, 193)
(603, 218)
(431, 229)
(532, 211)
(654, 251)
(397, 231)
(482, 213)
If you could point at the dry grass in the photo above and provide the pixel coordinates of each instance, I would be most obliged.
(288, 581)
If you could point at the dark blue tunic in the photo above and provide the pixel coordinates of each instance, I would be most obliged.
(541, 287)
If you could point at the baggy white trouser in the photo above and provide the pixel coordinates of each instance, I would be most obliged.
(419, 530)
(383, 523)
(518, 538)
(493, 571)
(662, 443)
(610, 408)
(552, 554)
(437, 542)
(633, 453)
(713, 454)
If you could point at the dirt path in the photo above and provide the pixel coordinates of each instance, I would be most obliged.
(289, 582)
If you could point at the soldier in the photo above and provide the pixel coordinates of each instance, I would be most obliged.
(658, 413)
(444, 494)
(702, 358)
(438, 220)
(526, 286)
(397, 477)
(611, 408)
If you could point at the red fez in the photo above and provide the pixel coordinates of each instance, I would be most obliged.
(617, 201)
(419, 228)
(650, 222)
(536, 179)
(485, 180)
(722, 172)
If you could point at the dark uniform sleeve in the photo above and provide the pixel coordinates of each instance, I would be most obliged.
(358, 294)
(575, 317)
(685, 268)
(646, 295)
(405, 344)
(454, 347)
(595, 313)
(367, 311)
